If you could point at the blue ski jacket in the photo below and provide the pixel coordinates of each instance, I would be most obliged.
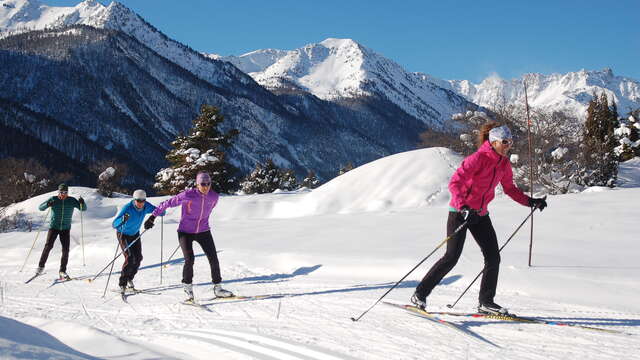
(136, 216)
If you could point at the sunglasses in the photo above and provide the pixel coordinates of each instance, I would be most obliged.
(62, 192)
(205, 184)
(507, 142)
(140, 200)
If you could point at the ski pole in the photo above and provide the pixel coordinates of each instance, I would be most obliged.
(114, 254)
(36, 239)
(451, 306)
(114, 259)
(161, 244)
(415, 267)
(111, 270)
(171, 257)
(84, 263)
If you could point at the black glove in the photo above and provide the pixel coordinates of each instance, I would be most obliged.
(539, 203)
(469, 215)
(50, 203)
(149, 223)
(81, 201)
(125, 217)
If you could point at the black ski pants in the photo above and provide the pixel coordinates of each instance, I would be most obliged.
(132, 257)
(64, 240)
(206, 243)
(485, 236)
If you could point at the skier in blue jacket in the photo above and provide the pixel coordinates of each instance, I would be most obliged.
(127, 225)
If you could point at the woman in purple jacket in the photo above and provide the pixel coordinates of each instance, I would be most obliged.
(197, 205)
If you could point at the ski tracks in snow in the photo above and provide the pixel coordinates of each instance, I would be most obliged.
(255, 345)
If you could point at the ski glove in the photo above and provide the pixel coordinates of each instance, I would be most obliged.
(538, 203)
(125, 217)
(149, 223)
(469, 215)
(81, 201)
(50, 203)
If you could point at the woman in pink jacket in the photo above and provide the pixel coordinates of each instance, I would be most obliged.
(472, 188)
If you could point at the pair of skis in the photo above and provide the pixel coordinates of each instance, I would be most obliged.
(434, 317)
(56, 281)
(214, 300)
(128, 292)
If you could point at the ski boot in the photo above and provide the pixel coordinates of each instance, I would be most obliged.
(418, 302)
(64, 276)
(492, 308)
(188, 289)
(39, 271)
(218, 291)
(130, 286)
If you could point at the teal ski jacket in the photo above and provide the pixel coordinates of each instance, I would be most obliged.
(62, 211)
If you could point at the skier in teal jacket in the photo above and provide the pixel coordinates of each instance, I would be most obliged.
(62, 207)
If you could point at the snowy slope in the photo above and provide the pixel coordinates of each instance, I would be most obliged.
(332, 264)
(342, 68)
(571, 91)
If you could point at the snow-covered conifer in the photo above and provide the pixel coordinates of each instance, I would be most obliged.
(267, 178)
(311, 180)
(599, 159)
(202, 150)
(110, 174)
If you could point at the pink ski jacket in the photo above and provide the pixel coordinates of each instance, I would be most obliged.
(196, 208)
(474, 183)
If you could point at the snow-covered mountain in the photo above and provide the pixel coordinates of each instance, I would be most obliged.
(337, 69)
(571, 92)
(24, 15)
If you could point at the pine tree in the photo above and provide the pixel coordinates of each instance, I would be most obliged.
(202, 150)
(109, 176)
(311, 180)
(599, 163)
(628, 137)
(267, 178)
(346, 168)
(288, 181)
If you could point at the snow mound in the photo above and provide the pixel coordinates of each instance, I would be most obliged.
(406, 180)
(629, 173)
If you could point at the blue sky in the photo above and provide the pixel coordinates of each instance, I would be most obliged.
(447, 39)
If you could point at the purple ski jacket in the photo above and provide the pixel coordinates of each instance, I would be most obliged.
(196, 208)
(474, 182)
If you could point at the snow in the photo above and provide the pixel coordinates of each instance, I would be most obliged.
(558, 153)
(331, 252)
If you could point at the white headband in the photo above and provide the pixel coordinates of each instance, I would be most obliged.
(499, 133)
